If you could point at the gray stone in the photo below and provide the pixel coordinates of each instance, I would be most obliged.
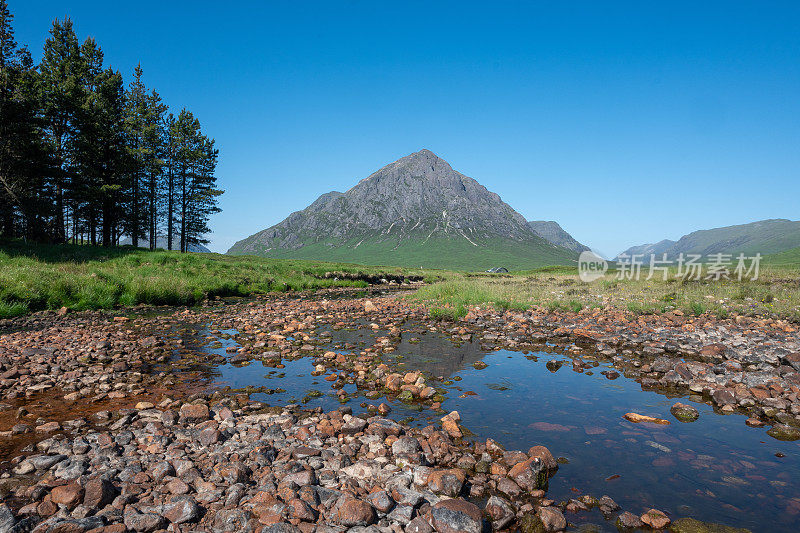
(182, 511)
(456, 516)
(144, 522)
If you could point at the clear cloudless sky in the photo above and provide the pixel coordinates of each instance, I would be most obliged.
(625, 122)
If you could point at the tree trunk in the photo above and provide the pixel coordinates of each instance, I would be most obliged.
(153, 235)
(183, 210)
(135, 211)
(8, 222)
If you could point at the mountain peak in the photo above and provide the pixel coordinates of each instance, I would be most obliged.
(407, 213)
(424, 153)
(424, 158)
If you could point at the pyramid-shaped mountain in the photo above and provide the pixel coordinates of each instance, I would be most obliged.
(415, 212)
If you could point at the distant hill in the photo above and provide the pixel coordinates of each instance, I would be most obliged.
(647, 249)
(414, 212)
(161, 242)
(765, 237)
(555, 234)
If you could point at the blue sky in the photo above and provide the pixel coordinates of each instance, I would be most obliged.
(625, 123)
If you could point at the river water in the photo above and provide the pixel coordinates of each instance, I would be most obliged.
(715, 469)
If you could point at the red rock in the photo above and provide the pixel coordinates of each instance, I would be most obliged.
(393, 382)
(352, 512)
(713, 351)
(68, 495)
(46, 508)
(655, 519)
(98, 493)
(48, 427)
(637, 418)
(530, 474)
(194, 412)
(723, 397)
(301, 510)
(545, 456)
(176, 486)
(451, 428)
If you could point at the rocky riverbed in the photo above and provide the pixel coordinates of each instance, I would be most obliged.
(112, 422)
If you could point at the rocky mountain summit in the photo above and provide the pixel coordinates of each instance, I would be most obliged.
(553, 232)
(416, 211)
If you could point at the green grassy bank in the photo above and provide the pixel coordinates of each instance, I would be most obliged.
(36, 277)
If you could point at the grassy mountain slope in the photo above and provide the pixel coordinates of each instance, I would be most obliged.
(764, 236)
(438, 252)
(786, 259)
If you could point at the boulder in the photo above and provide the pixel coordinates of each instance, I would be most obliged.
(655, 519)
(545, 456)
(351, 512)
(68, 495)
(456, 516)
(98, 493)
(447, 482)
(552, 519)
(529, 474)
(196, 412)
(499, 511)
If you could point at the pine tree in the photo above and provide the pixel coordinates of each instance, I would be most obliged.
(83, 188)
(109, 109)
(9, 114)
(24, 160)
(82, 157)
(136, 118)
(154, 140)
(203, 193)
(60, 72)
(192, 193)
(170, 175)
(186, 140)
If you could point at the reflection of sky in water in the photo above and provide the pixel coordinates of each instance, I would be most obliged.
(716, 469)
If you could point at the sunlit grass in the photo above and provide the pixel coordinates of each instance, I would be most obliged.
(41, 277)
(775, 294)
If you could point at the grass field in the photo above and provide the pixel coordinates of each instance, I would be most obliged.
(41, 277)
(775, 294)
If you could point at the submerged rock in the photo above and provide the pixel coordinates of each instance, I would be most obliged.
(690, 525)
(784, 432)
(684, 413)
(636, 418)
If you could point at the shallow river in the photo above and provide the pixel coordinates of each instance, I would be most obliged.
(715, 469)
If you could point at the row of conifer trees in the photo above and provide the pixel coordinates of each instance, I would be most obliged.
(86, 158)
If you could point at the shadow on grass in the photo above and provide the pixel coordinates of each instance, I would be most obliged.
(64, 253)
